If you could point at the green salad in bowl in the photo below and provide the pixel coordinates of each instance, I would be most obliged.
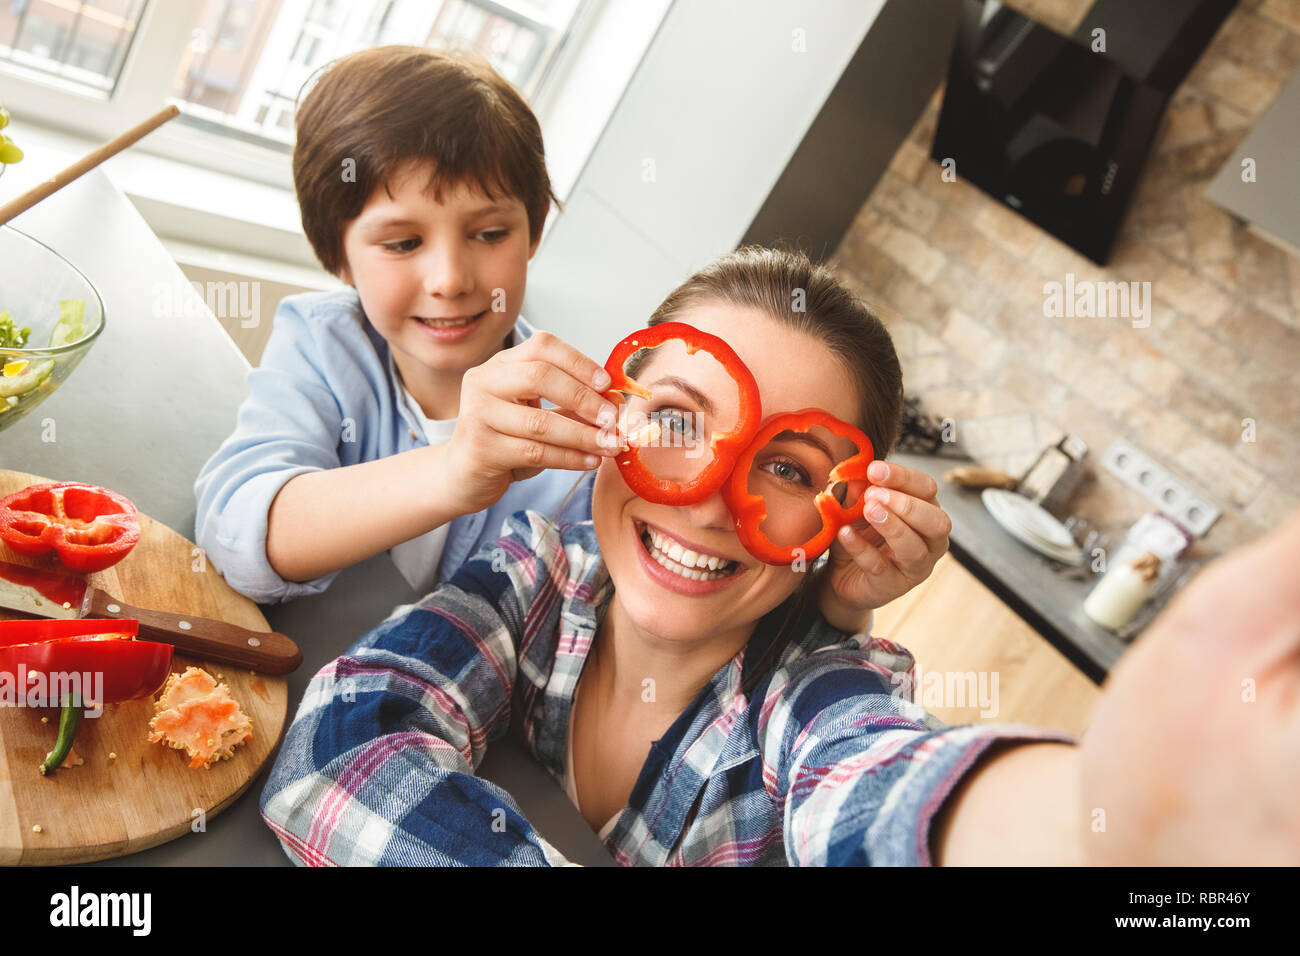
(50, 316)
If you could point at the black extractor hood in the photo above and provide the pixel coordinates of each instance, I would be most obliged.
(1057, 127)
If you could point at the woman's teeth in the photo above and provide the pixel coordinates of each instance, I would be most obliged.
(687, 563)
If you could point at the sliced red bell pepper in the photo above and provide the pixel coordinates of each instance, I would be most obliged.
(749, 510)
(131, 668)
(128, 669)
(88, 527)
(725, 446)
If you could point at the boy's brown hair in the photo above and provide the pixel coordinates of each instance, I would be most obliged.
(387, 105)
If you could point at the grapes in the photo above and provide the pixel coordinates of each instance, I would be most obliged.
(9, 152)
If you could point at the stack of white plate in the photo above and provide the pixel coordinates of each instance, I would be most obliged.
(1032, 525)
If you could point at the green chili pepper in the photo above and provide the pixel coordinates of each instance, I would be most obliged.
(68, 722)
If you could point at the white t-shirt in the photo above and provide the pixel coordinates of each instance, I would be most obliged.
(418, 558)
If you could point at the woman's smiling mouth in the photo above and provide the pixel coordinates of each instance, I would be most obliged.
(682, 569)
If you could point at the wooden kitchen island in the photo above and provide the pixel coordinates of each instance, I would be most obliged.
(961, 633)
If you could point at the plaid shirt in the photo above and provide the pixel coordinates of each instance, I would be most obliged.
(824, 762)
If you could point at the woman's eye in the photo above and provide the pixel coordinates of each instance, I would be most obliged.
(672, 420)
(786, 470)
(404, 245)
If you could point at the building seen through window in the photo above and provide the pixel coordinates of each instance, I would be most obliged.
(246, 61)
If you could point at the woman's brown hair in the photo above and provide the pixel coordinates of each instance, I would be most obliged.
(374, 110)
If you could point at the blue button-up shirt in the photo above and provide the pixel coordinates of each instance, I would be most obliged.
(324, 396)
(824, 761)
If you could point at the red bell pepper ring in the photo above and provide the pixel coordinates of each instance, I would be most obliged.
(725, 446)
(131, 669)
(88, 527)
(749, 510)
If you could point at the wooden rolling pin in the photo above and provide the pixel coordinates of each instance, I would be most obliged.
(970, 476)
(84, 165)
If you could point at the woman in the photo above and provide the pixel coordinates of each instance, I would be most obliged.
(717, 721)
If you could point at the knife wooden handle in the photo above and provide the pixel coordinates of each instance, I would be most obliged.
(268, 652)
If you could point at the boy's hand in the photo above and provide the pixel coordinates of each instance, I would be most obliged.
(1192, 753)
(503, 435)
(880, 558)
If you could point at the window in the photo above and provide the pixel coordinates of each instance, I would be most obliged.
(83, 43)
(236, 67)
(202, 180)
(249, 59)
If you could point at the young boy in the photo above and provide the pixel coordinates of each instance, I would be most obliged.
(423, 186)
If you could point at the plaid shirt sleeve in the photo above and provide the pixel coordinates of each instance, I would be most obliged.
(378, 765)
(858, 769)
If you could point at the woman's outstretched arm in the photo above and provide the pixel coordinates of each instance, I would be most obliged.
(861, 772)
(378, 765)
(1190, 756)
(1019, 806)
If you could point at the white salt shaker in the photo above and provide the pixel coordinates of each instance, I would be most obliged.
(1121, 591)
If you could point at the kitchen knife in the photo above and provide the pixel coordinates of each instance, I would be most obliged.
(44, 593)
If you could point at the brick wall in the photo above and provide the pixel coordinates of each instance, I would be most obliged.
(959, 280)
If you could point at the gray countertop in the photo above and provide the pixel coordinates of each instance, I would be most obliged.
(1268, 200)
(1047, 595)
(154, 398)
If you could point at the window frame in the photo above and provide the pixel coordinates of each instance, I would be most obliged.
(147, 68)
(152, 60)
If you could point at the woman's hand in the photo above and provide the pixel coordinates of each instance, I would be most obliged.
(1192, 755)
(503, 434)
(893, 549)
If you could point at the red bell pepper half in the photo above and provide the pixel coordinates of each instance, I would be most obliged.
(726, 446)
(749, 509)
(129, 669)
(88, 527)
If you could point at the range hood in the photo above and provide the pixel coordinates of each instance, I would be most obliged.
(1057, 129)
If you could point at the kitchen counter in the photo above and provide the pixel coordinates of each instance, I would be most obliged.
(1270, 203)
(1035, 587)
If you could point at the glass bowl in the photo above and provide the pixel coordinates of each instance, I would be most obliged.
(37, 287)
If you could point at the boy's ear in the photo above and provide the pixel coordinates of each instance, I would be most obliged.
(345, 275)
(532, 248)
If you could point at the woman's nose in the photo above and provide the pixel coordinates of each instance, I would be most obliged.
(448, 273)
(711, 513)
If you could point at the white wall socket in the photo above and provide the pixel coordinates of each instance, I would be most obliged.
(1140, 472)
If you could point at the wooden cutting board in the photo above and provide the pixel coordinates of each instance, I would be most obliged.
(147, 794)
